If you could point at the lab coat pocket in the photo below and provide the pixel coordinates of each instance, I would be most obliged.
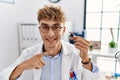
(72, 75)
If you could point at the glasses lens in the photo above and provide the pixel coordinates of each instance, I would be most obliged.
(44, 28)
(55, 28)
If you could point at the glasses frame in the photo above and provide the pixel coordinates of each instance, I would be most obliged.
(52, 28)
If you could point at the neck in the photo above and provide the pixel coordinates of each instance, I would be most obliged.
(52, 51)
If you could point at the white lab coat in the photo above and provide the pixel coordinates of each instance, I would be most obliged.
(70, 59)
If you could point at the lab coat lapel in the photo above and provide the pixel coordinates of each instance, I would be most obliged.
(66, 63)
(65, 68)
(37, 72)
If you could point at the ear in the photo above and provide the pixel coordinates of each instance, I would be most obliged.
(64, 29)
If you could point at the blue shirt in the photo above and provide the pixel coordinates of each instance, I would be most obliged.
(52, 69)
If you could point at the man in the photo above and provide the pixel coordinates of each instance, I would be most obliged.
(53, 59)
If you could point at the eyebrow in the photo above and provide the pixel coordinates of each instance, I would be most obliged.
(48, 25)
(57, 24)
(44, 24)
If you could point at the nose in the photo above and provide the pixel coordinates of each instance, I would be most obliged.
(50, 32)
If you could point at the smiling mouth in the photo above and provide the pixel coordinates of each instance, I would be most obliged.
(51, 40)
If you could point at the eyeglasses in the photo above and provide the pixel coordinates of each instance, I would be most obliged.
(55, 28)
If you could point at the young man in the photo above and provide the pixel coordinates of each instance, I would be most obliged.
(53, 59)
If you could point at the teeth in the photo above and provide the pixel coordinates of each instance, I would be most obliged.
(50, 39)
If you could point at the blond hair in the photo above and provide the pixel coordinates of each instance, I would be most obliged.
(51, 13)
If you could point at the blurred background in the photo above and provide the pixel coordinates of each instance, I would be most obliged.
(96, 20)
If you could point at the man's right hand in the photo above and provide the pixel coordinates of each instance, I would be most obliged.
(35, 62)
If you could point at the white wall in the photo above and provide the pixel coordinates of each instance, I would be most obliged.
(26, 11)
(8, 34)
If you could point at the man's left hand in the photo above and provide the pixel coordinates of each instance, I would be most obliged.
(83, 46)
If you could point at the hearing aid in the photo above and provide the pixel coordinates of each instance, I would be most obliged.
(72, 35)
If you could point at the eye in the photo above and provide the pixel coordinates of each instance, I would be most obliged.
(44, 26)
(56, 27)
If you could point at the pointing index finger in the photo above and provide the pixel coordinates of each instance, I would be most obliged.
(42, 54)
